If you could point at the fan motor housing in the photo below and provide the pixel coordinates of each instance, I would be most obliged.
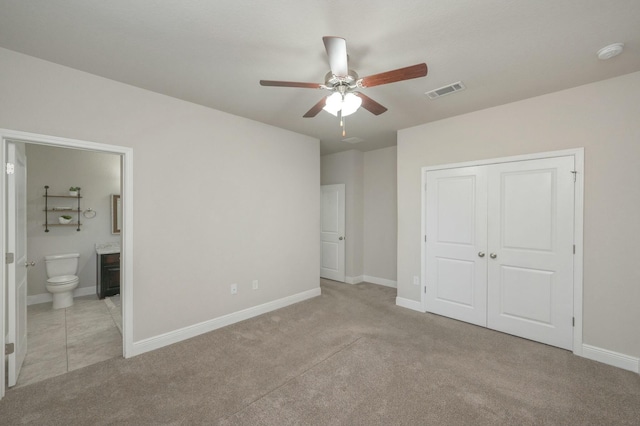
(333, 81)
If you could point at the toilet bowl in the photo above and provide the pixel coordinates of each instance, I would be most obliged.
(61, 270)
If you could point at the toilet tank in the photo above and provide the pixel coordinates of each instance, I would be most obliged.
(61, 264)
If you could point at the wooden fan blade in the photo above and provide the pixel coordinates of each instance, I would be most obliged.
(370, 105)
(337, 51)
(316, 108)
(400, 74)
(289, 84)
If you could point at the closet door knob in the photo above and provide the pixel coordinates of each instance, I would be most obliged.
(27, 264)
(341, 238)
(480, 254)
(493, 255)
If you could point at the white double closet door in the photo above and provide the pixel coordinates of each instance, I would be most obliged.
(500, 247)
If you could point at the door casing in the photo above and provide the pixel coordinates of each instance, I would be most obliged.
(16, 303)
(578, 154)
(126, 155)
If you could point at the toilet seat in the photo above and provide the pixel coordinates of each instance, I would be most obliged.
(62, 280)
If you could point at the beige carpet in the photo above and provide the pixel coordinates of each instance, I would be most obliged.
(348, 357)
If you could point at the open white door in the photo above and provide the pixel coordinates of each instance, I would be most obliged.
(332, 232)
(17, 270)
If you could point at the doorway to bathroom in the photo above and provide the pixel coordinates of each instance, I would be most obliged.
(101, 171)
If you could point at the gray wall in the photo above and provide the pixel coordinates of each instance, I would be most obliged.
(604, 119)
(371, 219)
(98, 175)
(218, 199)
(348, 168)
(380, 213)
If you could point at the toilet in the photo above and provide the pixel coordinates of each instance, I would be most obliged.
(61, 270)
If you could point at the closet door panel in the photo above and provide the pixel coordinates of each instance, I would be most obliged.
(456, 277)
(530, 245)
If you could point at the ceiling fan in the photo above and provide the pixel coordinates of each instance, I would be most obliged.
(344, 84)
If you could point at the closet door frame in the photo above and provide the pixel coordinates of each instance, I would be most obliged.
(578, 154)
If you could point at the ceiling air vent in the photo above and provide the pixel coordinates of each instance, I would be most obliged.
(352, 140)
(446, 90)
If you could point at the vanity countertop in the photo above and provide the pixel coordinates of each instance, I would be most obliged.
(108, 248)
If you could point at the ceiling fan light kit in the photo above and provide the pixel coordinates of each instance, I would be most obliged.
(343, 83)
(345, 104)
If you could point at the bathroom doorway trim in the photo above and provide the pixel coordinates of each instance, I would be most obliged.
(126, 158)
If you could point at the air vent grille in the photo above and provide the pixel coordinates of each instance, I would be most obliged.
(446, 90)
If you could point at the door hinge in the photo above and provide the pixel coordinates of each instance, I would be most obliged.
(10, 168)
(425, 289)
(8, 348)
(425, 238)
(574, 249)
(8, 258)
(573, 321)
(575, 173)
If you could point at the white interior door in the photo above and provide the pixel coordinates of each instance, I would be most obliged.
(530, 284)
(456, 268)
(16, 271)
(332, 232)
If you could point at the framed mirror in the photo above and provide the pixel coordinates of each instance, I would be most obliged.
(116, 213)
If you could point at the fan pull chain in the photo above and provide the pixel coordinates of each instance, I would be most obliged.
(342, 124)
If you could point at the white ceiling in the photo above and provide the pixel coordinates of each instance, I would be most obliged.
(214, 52)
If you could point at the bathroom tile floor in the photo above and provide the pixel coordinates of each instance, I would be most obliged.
(64, 340)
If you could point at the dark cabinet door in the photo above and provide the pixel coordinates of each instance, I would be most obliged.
(112, 280)
(108, 275)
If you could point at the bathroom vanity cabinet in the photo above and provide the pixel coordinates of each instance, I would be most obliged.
(108, 275)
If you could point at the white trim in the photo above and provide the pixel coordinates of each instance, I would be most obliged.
(354, 280)
(380, 281)
(37, 299)
(3, 266)
(409, 304)
(126, 254)
(578, 239)
(578, 155)
(514, 158)
(126, 257)
(423, 239)
(185, 333)
(48, 297)
(606, 356)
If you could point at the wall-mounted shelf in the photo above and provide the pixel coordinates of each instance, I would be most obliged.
(48, 209)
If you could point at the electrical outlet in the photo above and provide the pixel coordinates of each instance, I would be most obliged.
(234, 288)
(254, 284)
(416, 280)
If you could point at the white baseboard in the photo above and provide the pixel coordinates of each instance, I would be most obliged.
(409, 304)
(353, 280)
(370, 279)
(48, 297)
(84, 291)
(616, 359)
(185, 333)
(36, 299)
(380, 281)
